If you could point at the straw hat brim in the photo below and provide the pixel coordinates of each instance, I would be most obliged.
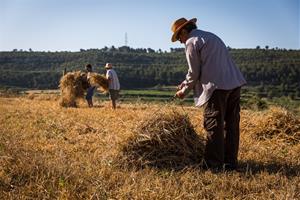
(174, 36)
(108, 66)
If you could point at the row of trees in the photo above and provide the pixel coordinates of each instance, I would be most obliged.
(274, 72)
(137, 50)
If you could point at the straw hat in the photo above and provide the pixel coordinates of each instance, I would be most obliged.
(178, 25)
(108, 66)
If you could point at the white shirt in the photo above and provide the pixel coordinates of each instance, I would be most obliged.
(113, 81)
(210, 66)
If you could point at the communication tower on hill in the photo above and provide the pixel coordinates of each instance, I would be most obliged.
(126, 39)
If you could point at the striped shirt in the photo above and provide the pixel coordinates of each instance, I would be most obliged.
(113, 81)
(210, 66)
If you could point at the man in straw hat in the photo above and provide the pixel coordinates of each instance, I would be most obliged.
(216, 82)
(113, 84)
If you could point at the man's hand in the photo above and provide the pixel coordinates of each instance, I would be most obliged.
(179, 94)
(179, 87)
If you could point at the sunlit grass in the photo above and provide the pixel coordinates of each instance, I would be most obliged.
(49, 152)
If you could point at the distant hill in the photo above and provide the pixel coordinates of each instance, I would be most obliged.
(271, 72)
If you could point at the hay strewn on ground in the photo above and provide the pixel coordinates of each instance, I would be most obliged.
(73, 86)
(51, 153)
(278, 123)
(165, 140)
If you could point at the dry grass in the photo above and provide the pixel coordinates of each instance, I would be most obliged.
(279, 124)
(165, 139)
(48, 152)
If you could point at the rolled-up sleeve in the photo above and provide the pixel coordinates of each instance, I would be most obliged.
(193, 58)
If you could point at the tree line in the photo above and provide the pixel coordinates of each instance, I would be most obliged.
(270, 72)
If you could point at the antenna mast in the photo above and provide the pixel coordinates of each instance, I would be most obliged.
(126, 39)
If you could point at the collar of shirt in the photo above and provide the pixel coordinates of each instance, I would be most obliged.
(191, 34)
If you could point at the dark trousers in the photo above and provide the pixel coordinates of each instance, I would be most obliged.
(222, 124)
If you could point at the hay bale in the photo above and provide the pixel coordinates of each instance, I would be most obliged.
(277, 123)
(72, 87)
(99, 81)
(165, 140)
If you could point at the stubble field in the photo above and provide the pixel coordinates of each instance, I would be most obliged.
(49, 152)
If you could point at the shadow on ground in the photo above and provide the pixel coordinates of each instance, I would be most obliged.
(255, 167)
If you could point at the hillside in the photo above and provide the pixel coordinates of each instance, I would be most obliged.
(49, 152)
(269, 72)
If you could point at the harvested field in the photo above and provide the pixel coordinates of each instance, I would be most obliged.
(279, 124)
(49, 152)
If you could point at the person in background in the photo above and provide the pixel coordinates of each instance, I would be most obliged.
(216, 82)
(90, 90)
(113, 84)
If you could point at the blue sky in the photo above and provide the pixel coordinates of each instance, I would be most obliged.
(69, 25)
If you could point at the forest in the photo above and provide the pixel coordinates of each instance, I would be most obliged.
(269, 72)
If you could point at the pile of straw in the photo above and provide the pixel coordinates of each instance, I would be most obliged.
(99, 81)
(73, 86)
(278, 123)
(164, 140)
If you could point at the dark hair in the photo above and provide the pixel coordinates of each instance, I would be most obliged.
(88, 66)
(189, 27)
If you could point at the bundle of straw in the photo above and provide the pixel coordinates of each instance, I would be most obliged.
(99, 81)
(278, 123)
(72, 86)
(164, 140)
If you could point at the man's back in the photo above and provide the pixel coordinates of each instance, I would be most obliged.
(217, 65)
(114, 80)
